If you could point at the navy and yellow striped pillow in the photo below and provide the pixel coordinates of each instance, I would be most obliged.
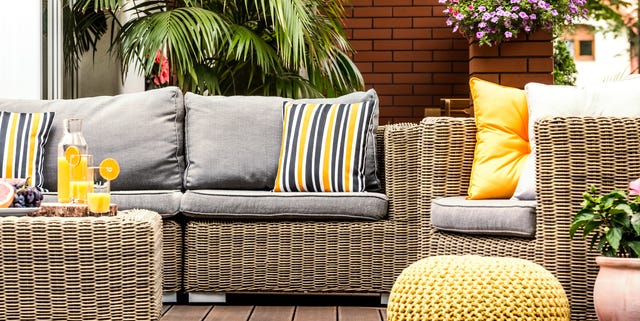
(324, 147)
(22, 140)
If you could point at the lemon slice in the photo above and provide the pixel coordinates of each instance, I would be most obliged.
(109, 169)
(72, 154)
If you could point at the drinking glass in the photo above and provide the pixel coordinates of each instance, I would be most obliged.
(81, 180)
(99, 198)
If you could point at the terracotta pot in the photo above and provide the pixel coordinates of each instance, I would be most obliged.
(616, 294)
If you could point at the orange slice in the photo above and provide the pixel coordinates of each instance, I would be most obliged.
(109, 169)
(72, 154)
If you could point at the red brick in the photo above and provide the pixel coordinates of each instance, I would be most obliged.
(529, 48)
(413, 11)
(438, 11)
(425, 2)
(372, 34)
(414, 55)
(393, 90)
(411, 34)
(392, 66)
(373, 56)
(358, 23)
(430, 22)
(412, 78)
(540, 35)
(361, 45)
(450, 78)
(364, 66)
(461, 90)
(476, 50)
(460, 66)
(384, 100)
(433, 89)
(392, 45)
(361, 3)
(371, 78)
(462, 44)
(392, 2)
(372, 12)
(492, 77)
(451, 55)
(392, 23)
(396, 112)
(413, 100)
(442, 66)
(519, 80)
(497, 65)
(540, 64)
(445, 33)
(398, 120)
(432, 44)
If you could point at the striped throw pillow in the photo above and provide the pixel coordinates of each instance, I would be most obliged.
(323, 147)
(22, 140)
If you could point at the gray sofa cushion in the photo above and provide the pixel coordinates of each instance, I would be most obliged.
(235, 204)
(165, 202)
(142, 131)
(234, 142)
(489, 217)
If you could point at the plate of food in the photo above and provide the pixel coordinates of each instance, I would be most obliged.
(18, 197)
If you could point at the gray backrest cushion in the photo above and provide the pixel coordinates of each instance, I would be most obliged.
(143, 131)
(234, 142)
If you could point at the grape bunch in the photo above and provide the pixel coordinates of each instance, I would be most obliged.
(26, 196)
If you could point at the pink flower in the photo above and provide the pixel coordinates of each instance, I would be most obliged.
(163, 75)
(634, 187)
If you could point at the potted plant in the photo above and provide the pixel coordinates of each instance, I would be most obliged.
(613, 219)
(491, 22)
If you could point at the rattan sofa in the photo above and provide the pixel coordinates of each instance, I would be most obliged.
(572, 153)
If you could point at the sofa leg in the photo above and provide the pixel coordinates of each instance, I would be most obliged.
(384, 298)
(169, 297)
(207, 297)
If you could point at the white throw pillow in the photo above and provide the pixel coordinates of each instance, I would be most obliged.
(617, 99)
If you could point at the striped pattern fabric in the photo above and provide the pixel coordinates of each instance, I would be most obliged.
(323, 147)
(22, 140)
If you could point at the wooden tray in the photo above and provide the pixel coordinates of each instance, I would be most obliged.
(70, 210)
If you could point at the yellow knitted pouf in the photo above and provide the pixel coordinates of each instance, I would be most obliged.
(476, 288)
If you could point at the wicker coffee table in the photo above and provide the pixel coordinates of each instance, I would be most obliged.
(81, 268)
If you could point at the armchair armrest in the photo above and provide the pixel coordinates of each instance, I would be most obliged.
(573, 153)
(401, 162)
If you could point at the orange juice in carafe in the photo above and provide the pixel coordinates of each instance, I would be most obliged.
(72, 137)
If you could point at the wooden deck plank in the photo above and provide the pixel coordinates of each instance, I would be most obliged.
(187, 313)
(383, 314)
(165, 308)
(312, 313)
(358, 314)
(230, 313)
(272, 313)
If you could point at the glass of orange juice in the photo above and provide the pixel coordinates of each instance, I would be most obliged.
(80, 180)
(99, 197)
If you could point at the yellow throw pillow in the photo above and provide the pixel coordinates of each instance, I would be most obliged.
(502, 144)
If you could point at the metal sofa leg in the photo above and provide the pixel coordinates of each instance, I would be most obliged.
(170, 297)
(207, 297)
(384, 298)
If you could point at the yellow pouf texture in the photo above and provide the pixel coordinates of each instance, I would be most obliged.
(476, 288)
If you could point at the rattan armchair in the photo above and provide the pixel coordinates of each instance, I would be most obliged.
(572, 153)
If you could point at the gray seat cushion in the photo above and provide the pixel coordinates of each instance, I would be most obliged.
(240, 204)
(142, 131)
(489, 217)
(164, 202)
(234, 142)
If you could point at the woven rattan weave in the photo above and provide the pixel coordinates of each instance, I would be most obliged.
(572, 153)
(171, 256)
(476, 288)
(106, 268)
(315, 256)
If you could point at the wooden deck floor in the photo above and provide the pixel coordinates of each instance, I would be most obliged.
(271, 313)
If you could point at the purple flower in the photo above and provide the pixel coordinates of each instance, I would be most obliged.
(508, 34)
(482, 24)
(459, 16)
(442, 1)
(479, 34)
(486, 16)
(523, 15)
(482, 8)
(515, 8)
(449, 22)
(494, 19)
(554, 12)
(515, 1)
(527, 28)
(532, 16)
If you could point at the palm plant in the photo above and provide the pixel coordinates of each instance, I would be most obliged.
(291, 48)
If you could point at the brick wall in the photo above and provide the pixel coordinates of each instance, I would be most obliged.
(407, 53)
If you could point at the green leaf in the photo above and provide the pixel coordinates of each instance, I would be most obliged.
(635, 223)
(590, 226)
(614, 235)
(635, 246)
(580, 220)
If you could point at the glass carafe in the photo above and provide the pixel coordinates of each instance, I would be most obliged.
(72, 137)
